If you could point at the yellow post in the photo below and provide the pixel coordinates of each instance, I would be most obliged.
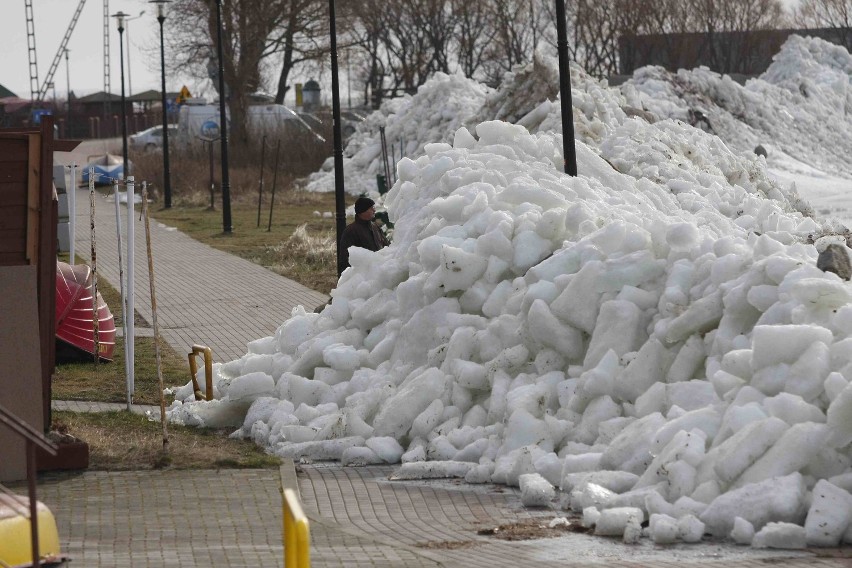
(297, 534)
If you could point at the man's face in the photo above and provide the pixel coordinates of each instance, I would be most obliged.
(369, 214)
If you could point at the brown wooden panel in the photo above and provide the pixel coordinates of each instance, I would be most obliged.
(13, 194)
(13, 241)
(13, 218)
(12, 259)
(13, 171)
(13, 150)
(35, 201)
(22, 358)
(34, 171)
(18, 132)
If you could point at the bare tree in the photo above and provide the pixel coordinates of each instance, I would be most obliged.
(474, 33)
(368, 19)
(518, 26)
(301, 36)
(597, 27)
(253, 32)
(437, 20)
(826, 14)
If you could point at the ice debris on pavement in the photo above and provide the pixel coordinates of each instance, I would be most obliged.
(652, 338)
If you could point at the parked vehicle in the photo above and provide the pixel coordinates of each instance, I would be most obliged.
(151, 138)
(199, 121)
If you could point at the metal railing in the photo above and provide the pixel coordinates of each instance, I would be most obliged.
(208, 372)
(33, 439)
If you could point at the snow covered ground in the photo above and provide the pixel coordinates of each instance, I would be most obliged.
(650, 341)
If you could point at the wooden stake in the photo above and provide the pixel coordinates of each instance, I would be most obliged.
(154, 316)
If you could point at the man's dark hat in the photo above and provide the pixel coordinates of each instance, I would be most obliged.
(362, 204)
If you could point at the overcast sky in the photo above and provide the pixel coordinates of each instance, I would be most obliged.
(86, 63)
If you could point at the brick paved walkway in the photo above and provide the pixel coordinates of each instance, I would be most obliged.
(360, 518)
(158, 519)
(203, 295)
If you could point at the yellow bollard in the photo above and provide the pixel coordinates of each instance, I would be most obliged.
(297, 535)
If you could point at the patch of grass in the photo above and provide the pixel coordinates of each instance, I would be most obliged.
(298, 244)
(120, 441)
(106, 381)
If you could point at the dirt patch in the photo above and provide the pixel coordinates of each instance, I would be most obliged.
(446, 545)
(531, 529)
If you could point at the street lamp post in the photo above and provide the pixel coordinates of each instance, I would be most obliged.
(120, 19)
(127, 28)
(223, 127)
(167, 183)
(68, 95)
(568, 149)
(339, 196)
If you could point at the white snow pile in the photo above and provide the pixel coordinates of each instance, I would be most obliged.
(659, 342)
(649, 341)
(440, 107)
(522, 90)
(786, 109)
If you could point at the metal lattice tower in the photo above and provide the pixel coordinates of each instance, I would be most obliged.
(50, 72)
(107, 87)
(28, 8)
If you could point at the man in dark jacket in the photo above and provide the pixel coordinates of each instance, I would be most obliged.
(362, 232)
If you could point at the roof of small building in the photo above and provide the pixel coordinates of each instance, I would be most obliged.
(99, 97)
(151, 96)
(4, 92)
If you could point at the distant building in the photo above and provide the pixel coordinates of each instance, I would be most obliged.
(4, 93)
(732, 53)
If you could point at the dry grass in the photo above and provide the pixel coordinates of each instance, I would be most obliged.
(106, 381)
(123, 441)
(307, 258)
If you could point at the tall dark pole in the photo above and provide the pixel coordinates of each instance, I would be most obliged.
(339, 195)
(120, 17)
(223, 127)
(167, 177)
(68, 96)
(568, 148)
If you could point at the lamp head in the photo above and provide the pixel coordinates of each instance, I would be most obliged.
(161, 8)
(120, 18)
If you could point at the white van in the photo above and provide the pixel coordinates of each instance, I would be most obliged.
(199, 121)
